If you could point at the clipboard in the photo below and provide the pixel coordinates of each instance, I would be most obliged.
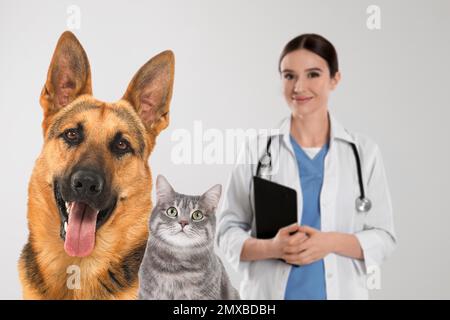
(275, 207)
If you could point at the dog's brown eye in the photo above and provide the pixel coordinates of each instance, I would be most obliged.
(72, 135)
(122, 145)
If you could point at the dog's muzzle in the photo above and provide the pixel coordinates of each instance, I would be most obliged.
(85, 203)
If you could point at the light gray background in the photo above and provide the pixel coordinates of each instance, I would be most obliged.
(395, 89)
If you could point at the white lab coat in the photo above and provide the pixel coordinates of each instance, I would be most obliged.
(345, 278)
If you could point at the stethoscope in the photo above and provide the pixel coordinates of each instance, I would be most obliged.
(362, 203)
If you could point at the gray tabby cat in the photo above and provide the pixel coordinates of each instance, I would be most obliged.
(179, 261)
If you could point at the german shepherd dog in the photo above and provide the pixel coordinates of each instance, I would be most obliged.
(89, 197)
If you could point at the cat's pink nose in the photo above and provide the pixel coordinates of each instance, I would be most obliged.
(183, 223)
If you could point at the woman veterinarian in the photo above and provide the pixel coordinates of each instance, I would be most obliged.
(346, 226)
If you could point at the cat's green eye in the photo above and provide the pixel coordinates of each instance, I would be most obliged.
(197, 215)
(172, 212)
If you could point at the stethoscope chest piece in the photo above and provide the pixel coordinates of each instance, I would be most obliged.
(266, 161)
(363, 204)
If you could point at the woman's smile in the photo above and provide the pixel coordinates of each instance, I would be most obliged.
(301, 99)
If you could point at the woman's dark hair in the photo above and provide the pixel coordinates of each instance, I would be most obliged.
(314, 43)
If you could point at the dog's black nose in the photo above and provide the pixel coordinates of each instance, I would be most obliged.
(87, 183)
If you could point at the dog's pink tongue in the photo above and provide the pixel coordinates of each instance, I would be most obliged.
(80, 234)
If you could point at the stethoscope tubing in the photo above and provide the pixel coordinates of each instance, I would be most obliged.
(363, 204)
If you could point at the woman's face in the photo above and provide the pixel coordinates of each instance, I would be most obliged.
(306, 82)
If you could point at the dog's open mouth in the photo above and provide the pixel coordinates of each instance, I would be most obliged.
(79, 223)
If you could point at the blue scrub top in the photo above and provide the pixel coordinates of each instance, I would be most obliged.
(308, 282)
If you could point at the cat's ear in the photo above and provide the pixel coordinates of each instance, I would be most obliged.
(212, 196)
(163, 187)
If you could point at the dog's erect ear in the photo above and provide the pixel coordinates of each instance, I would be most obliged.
(150, 91)
(69, 75)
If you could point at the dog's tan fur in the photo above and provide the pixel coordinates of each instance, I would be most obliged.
(110, 272)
